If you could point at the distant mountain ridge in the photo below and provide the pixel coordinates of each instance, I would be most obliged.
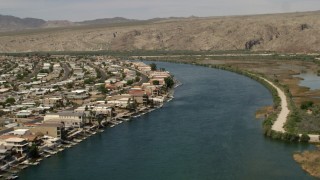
(9, 23)
(12, 23)
(107, 21)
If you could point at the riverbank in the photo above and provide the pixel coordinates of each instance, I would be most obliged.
(276, 123)
(85, 133)
(309, 161)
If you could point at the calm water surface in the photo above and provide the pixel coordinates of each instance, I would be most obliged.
(310, 80)
(208, 131)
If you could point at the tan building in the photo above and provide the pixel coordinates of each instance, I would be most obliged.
(49, 129)
(68, 118)
(52, 102)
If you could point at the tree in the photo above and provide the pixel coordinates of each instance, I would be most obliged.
(33, 151)
(69, 85)
(155, 82)
(132, 104)
(129, 82)
(137, 79)
(306, 105)
(2, 113)
(98, 74)
(169, 82)
(290, 137)
(89, 81)
(103, 89)
(20, 76)
(99, 118)
(304, 138)
(153, 66)
(51, 68)
(92, 114)
(10, 100)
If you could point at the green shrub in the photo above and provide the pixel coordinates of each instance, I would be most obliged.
(276, 135)
(290, 137)
(306, 105)
(304, 138)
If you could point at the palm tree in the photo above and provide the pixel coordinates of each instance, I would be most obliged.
(99, 118)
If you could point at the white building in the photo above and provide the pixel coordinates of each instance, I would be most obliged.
(19, 144)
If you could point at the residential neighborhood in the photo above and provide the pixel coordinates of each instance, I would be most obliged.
(52, 102)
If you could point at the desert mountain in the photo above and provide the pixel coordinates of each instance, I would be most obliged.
(9, 23)
(107, 21)
(12, 23)
(291, 32)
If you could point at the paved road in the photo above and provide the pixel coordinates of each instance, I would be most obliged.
(66, 71)
(102, 72)
(144, 77)
(35, 71)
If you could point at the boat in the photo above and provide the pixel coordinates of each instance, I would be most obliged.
(12, 176)
(35, 163)
(152, 109)
(77, 140)
(135, 116)
(112, 125)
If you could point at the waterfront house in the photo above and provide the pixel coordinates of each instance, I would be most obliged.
(138, 94)
(19, 144)
(68, 118)
(159, 74)
(49, 129)
(5, 151)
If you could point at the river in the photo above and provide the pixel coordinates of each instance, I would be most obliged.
(208, 131)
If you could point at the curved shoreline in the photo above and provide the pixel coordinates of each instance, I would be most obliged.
(282, 116)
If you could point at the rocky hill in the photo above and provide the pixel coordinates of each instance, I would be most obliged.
(293, 32)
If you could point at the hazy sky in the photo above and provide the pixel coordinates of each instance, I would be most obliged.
(76, 10)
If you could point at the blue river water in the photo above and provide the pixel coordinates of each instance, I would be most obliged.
(208, 131)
